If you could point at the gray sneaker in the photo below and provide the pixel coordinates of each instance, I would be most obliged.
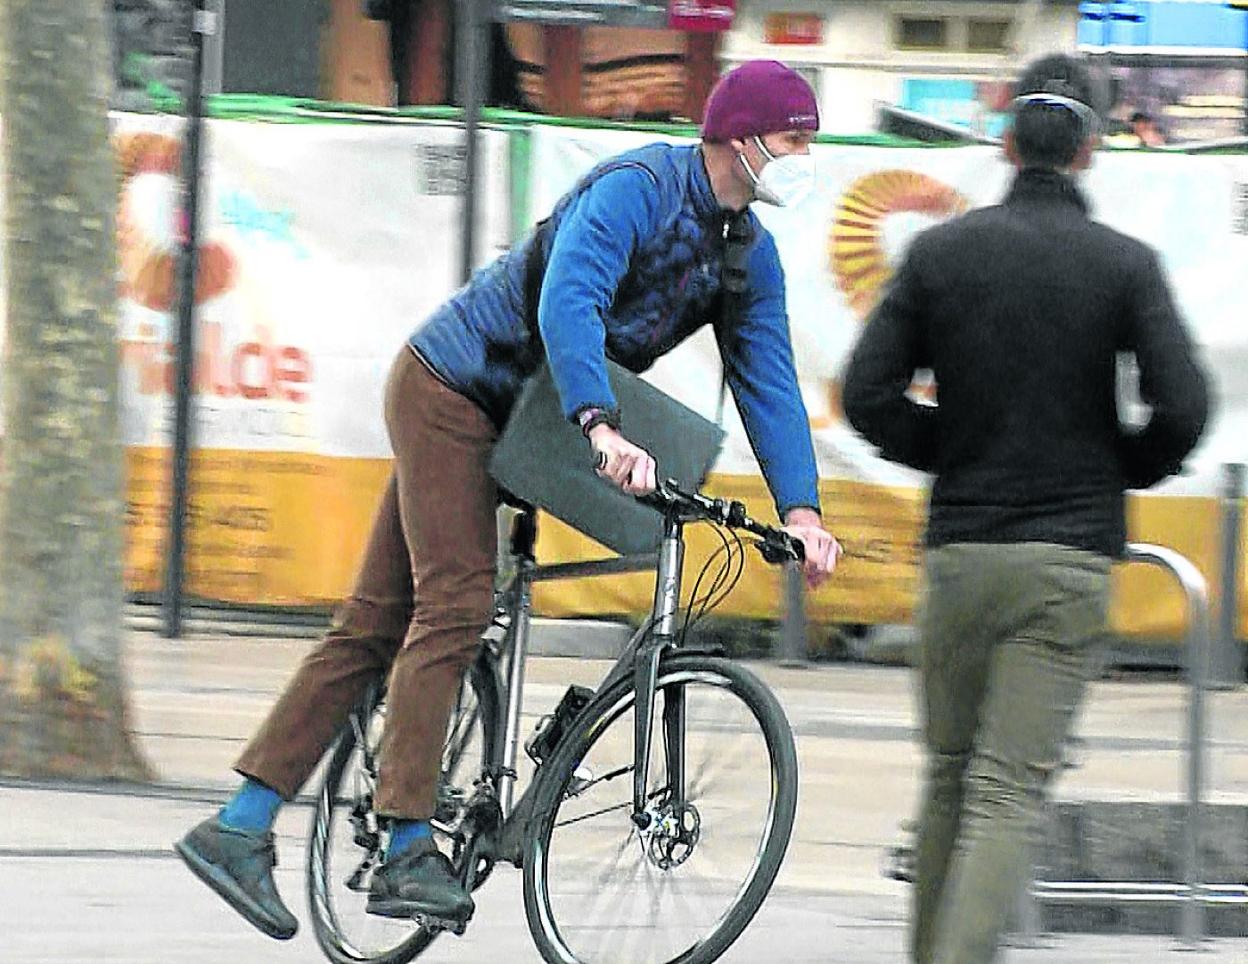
(421, 884)
(238, 865)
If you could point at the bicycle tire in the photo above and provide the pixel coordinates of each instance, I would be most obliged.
(483, 680)
(554, 780)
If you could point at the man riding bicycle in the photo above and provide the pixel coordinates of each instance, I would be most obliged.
(629, 264)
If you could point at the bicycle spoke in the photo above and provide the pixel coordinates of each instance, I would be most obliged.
(368, 765)
(595, 813)
(615, 909)
(621, 771)
(673, 885)
(458, 741)
(604, 877)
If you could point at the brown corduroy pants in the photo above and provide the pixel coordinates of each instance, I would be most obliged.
(423, 597)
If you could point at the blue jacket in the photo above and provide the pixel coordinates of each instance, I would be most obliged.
(626, 267)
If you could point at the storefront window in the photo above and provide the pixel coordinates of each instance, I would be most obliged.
(921, 33)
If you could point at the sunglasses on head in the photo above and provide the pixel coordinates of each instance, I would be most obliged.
(1088, 121)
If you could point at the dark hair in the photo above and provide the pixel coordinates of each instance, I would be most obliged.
(1049, 133)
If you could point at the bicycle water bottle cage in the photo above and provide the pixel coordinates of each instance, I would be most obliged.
(550, 728)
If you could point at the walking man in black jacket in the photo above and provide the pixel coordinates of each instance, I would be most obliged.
(1021, 311)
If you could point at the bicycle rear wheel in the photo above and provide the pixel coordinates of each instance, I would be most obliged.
(345, 844)
(597, 889)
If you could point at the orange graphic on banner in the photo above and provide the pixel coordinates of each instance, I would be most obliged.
(856, 246)
(149, 206)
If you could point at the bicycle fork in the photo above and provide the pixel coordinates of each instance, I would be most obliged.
(645, 680)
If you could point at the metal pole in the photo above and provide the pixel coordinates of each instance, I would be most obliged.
(469, 78)
(1241, 5)
(1228, 663)
(1029, 922)
(214, 52)
(204, 23)
(1192, 919)
(793, 628)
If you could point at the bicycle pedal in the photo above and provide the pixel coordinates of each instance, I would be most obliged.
(437, 925)
(899, 864)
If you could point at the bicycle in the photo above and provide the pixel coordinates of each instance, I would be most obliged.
(582, 832)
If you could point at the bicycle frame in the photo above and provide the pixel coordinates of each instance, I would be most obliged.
(485, 823)
(640, 658)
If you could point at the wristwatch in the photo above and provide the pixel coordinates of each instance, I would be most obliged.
(590, 418)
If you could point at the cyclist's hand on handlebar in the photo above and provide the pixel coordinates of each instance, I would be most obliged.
(822, 550)
(621, 462)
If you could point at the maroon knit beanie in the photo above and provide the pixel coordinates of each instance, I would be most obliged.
(759, 97)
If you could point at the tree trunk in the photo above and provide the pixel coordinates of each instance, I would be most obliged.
(63, 707)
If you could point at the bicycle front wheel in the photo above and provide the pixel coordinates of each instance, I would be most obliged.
(597, 888)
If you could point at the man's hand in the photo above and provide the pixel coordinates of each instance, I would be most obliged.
(620, 461)
(822, 550)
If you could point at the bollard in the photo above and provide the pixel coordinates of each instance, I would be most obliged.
(793, 627)
(1226, 670)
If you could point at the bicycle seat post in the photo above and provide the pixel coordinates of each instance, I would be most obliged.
(524, 534)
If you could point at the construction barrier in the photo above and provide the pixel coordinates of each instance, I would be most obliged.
(324, 243)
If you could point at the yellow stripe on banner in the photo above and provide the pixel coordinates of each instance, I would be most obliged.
(1148, 602)
(269, 528)
(880, 528)
(877, 526)
(286, 529)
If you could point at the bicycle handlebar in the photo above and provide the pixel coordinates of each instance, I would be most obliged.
(775, 544)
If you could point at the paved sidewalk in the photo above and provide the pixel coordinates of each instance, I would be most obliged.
(86, 873)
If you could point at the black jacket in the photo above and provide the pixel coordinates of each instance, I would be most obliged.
(1021, 310)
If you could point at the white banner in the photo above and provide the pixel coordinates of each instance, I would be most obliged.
(839, 247)
(322, 247)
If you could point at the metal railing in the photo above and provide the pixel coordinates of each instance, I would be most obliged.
(1192, 892)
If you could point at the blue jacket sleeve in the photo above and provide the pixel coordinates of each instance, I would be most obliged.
(758, 363)
(591, 251)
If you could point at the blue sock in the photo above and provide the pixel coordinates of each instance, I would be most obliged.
(404, 833)
(253, 807)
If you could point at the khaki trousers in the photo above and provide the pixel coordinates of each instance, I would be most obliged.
(423, 597)
(1006, 635)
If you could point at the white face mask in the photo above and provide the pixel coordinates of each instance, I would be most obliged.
(785, 181)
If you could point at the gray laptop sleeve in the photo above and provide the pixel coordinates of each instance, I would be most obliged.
(543, 459)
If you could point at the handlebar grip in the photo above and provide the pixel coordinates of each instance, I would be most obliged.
(782, 547)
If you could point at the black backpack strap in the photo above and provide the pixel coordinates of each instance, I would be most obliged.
(734, 280)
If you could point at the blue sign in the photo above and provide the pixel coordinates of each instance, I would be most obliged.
(1161, 25)
(954, 101)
